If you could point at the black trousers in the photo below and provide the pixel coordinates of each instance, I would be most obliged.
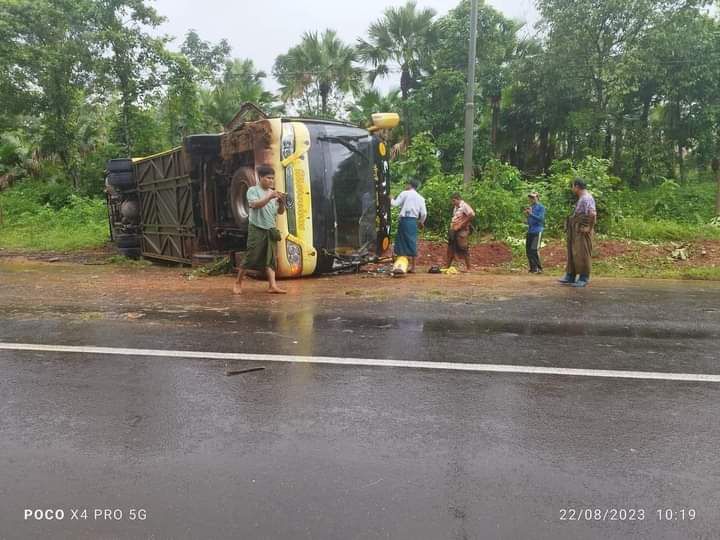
(532, 249)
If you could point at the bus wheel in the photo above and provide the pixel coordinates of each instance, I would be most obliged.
(121, 180)
(243, 179)
(130, 253)
(127, 241)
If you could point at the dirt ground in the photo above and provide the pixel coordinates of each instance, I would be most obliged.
(36, 289)
(702, 253)
(485, 255)
(38, 282)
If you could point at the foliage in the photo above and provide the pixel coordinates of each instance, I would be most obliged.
(420, 162)
(497, 211)
(372, 101)
(605, 91)
(240, 83)
(128, 58)
(667, 212)
(317, 73)
(555, 191)
(502, 175)
(208, 59)
(404, 38)
(41, 216)
(16, 157)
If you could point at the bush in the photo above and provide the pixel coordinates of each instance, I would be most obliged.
(50, 217)
(669, 211)
(420, 162)
(502, 175)
(497, 210)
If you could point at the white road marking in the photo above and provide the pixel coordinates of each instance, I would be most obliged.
(372, 362)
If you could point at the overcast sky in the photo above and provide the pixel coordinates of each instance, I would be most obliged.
(263, 29)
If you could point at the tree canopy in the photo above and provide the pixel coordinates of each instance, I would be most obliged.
(635, 82)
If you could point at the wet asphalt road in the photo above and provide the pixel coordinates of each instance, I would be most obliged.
(347, 452)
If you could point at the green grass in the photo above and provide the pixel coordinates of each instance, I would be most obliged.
(38, 216)
(656, 230)
(655, 270)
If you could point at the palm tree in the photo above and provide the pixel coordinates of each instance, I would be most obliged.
(404, 37)
(316, 69)
(240, 83)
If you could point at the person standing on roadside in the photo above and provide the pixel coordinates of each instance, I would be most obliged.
(580, 228)
(459, 234)
(536, 225)
(413, 214)
(265, 204)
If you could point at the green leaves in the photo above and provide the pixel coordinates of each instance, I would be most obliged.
(318, 73)
(240, 83)
(420, 162)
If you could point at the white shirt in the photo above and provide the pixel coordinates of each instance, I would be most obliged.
(411, 204)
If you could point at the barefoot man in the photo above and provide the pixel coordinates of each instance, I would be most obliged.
(265, 204)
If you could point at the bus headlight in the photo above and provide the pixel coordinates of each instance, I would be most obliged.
(287, 143)
(294, 257)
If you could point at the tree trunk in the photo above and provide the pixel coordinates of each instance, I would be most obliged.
(643, 143)
(607, 147)
(405, 83)
(495, 102)
(681, 161)
(126, 125)
(544, 150)
(617, 153)
(324, 103)
(716, 170)
(324, 98)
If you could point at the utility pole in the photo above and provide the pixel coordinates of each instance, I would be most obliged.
(470, 99)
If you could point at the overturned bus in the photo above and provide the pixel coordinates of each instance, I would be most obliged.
(189, 204)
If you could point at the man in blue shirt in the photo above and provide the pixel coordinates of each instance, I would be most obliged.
(536, 224)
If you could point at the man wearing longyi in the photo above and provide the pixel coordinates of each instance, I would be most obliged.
(413, 213)
(580, 230)
(265, 204)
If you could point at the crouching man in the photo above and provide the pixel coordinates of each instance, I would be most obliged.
(265, 204)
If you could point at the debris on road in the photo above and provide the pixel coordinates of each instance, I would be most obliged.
(230, 372)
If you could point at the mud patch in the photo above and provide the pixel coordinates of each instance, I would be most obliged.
(484, 254)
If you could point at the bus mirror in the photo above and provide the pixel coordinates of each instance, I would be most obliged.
(385, 120)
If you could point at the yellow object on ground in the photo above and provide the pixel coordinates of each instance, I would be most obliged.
(449, 271)
(400, 267)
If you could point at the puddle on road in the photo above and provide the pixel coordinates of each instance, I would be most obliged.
(284, 324)
(567, 329)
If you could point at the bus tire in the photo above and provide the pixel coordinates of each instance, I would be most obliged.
(130, 253)
(120, 165)
(243, 179)
(204, 144)
(127, 241)
(121, 180)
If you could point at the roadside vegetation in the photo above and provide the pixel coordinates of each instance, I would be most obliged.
(40, 216)
(631, 106)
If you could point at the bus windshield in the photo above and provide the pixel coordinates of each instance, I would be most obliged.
(344, 196)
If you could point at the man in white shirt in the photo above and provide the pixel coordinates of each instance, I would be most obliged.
(413, 212)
